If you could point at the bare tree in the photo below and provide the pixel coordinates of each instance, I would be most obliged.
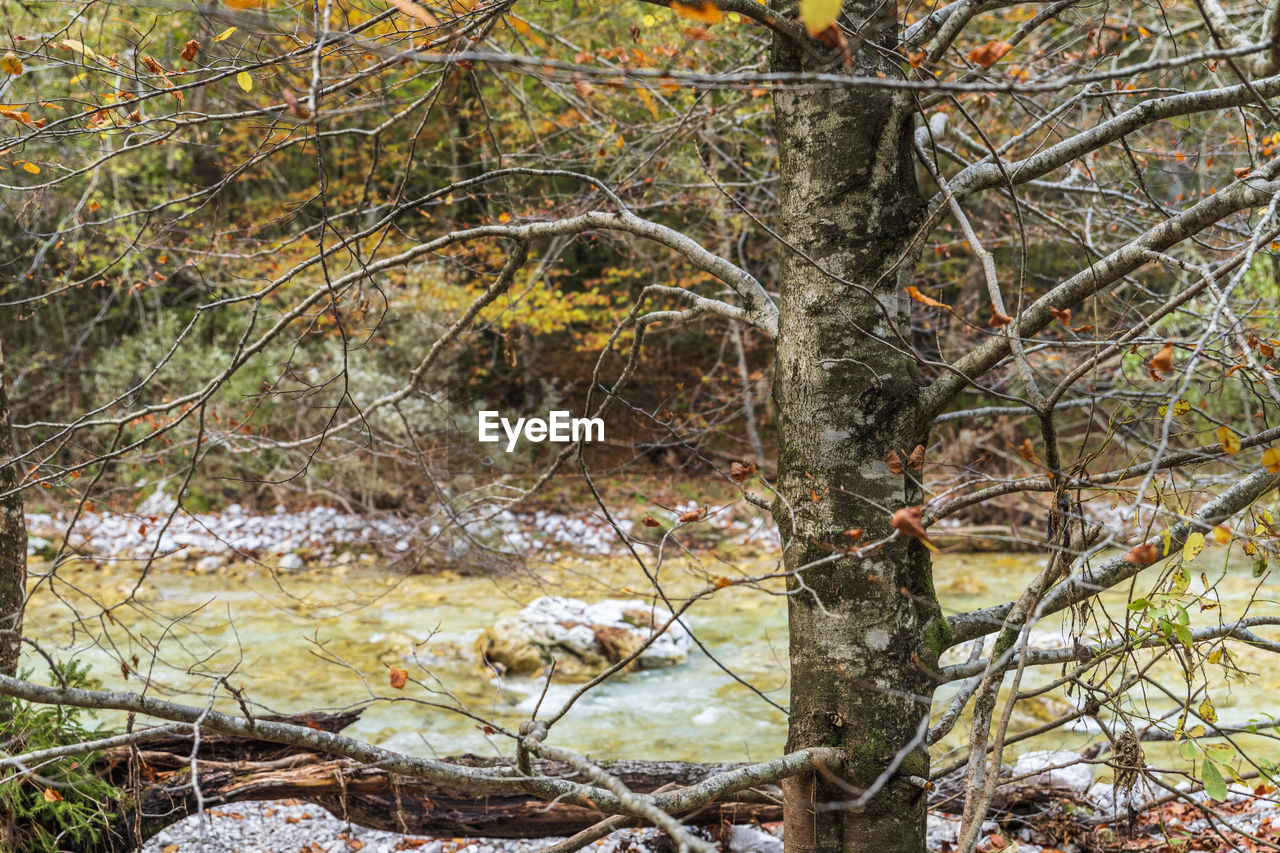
(13, 542)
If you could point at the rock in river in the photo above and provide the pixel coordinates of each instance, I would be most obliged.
(583, 638)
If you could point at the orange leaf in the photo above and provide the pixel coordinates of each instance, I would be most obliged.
(295, 108)
(916, 459)
(895, 462)
(1063, 315)
(1143, 555)
(1271, 460)
(52, 796)
(915, 294)
(189, 50)
(1026, 450)
(649, 521)
(699, 34)
(399, 678)
(1240, 171)
(740, 473)
(907, 521)
(413, 10)
(999, 319)
(989, 54)
(706, 12)
(1164, 360)
(722, 582)
(854, 533)
(691, 515)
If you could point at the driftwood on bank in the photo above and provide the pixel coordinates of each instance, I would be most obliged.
(158, 775)
(234, 770)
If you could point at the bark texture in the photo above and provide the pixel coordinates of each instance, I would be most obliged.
(864, 632)
(13, 540)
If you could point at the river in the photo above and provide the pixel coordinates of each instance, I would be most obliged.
(325, 638)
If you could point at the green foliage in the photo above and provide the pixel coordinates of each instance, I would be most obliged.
(59, 804)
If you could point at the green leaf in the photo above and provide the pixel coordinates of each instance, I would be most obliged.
(817, 15)
(1139, 604)
(1184, 636)
(1187, 749)
(1214, 785)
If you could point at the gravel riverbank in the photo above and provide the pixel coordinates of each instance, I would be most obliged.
(293, 827)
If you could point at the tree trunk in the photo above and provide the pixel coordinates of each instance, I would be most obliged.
(13, 540)
(864, 632)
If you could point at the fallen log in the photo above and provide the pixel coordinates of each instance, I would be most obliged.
(158, 778)
(376, 799)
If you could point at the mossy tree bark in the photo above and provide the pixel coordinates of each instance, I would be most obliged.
(13, 540)
(863, 631)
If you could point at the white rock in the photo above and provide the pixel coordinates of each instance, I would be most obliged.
(158, 502)
(583, 637)
(752, 839)
(292, 563)
(209, 564)
(941, 829)
(1075, 778)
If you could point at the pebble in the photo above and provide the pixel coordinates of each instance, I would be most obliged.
(293, 827)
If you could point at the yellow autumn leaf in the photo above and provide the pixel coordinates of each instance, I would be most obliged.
(522, 27)
(1194, 545)
(11, 64)
(225, 34)
(1271, 460)
(1230, 443)
(648, 102)
(1208, 713)
(245, 81)
(31, 167)
(73, 44)
(1222, 534)
(817, 15)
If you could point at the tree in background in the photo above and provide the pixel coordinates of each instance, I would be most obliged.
(931, 215)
